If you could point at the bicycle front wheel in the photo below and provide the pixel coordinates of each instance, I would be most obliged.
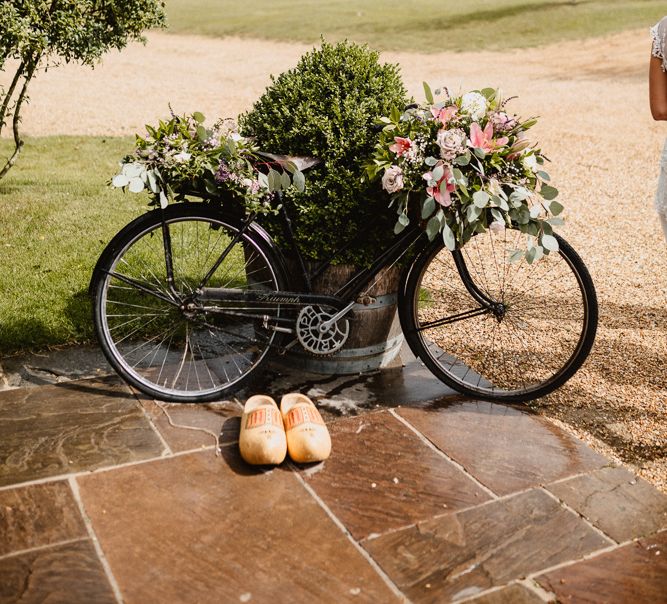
(497, 330)
(155, 331)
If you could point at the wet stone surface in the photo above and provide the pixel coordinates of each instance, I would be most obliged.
(505, 448)
(210, 529)
(60, 574)
(463, 554)
(513, 594)
(382, 476)
(616, 501)
(70, 427)
(636, 572)
(38, 515)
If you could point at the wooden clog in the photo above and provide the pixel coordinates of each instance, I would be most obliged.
(262, 440)
(308, 439)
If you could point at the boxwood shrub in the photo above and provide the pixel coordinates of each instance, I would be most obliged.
(326, 107)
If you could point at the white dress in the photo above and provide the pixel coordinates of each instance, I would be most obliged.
(659, 50)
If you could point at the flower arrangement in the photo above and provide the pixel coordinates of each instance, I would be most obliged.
(469, 166)
(182, 157)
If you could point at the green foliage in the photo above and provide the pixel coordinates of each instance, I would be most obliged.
(326, 107)
(41, 32)
(72, 30)
(181, 156)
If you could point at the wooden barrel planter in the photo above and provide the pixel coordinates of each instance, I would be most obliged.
(375, 336)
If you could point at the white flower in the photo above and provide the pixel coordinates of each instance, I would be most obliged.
(392, 179)
(530, 163)
(182, 156)
(451, 143)
(474, 104)
(236, 137)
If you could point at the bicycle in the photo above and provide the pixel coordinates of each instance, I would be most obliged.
(189, 300)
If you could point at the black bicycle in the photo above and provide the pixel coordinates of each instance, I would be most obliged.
(189, 300)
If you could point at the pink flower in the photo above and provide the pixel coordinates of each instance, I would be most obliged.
(445, 114)
(401, 146)
(442, 197)
(483, 139)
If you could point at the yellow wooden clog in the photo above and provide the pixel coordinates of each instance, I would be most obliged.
(262, 440)
(308, 439)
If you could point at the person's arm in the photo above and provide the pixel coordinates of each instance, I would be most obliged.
(657, 89)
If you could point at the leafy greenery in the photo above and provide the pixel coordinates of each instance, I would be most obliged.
(462, 165)
(424, 25)
(181, 156)
(39, 33)
(58, 214)
(326, 107)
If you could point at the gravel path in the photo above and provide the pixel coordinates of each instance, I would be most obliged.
(595, 126)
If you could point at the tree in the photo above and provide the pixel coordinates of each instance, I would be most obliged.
(38, 34)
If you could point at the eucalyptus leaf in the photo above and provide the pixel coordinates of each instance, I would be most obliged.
(555, 208)
(543, 175)
(132, 170)
(136, 185)
(480, 198)
(438, 173)
(199, 117)
(515, 256)
(398, 227)
(164, 201)
(432, 228)
(473, 212)
(535, 211)
(448, 237)
(549, 192)
(428, 207)
(120, 180)
(403, 219)
(556, 220)
(152, 182)
(462, 160)
(201, 133)
(430, 161)
(285, 181)
(497, 216)
(550, 243)
(299, 181)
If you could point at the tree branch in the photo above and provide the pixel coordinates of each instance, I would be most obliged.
(18, 143)
(10, 92)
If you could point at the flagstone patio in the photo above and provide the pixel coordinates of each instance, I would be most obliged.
(427, 497)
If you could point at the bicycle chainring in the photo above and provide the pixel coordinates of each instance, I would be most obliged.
(313, 337)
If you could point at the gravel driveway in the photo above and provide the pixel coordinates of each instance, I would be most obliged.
(595, 126)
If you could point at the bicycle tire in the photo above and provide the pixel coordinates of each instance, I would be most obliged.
(165, 351)
(544, 336)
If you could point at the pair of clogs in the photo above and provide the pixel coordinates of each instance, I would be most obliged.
(269, 433)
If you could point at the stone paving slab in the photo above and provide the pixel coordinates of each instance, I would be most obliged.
(70, 427)
(208, 529)
(634, 573)
(616, 501)
(221, 419)
(513, 594)
(505, 448)
(63, 574)
(38, 515)
(382, 476)
(463, 554)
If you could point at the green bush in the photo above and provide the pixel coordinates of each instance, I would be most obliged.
(326, 107)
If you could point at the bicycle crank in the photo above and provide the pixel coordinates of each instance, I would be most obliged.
(319, 332)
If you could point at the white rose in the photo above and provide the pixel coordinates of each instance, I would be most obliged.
(474, 104)
(392, 179)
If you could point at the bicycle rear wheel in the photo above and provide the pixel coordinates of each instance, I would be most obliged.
(157, 335)
(496, 330)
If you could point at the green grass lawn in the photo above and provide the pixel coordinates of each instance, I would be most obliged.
(419, 25)
(56, 216)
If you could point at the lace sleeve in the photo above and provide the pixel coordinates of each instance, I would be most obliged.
(659, 37)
